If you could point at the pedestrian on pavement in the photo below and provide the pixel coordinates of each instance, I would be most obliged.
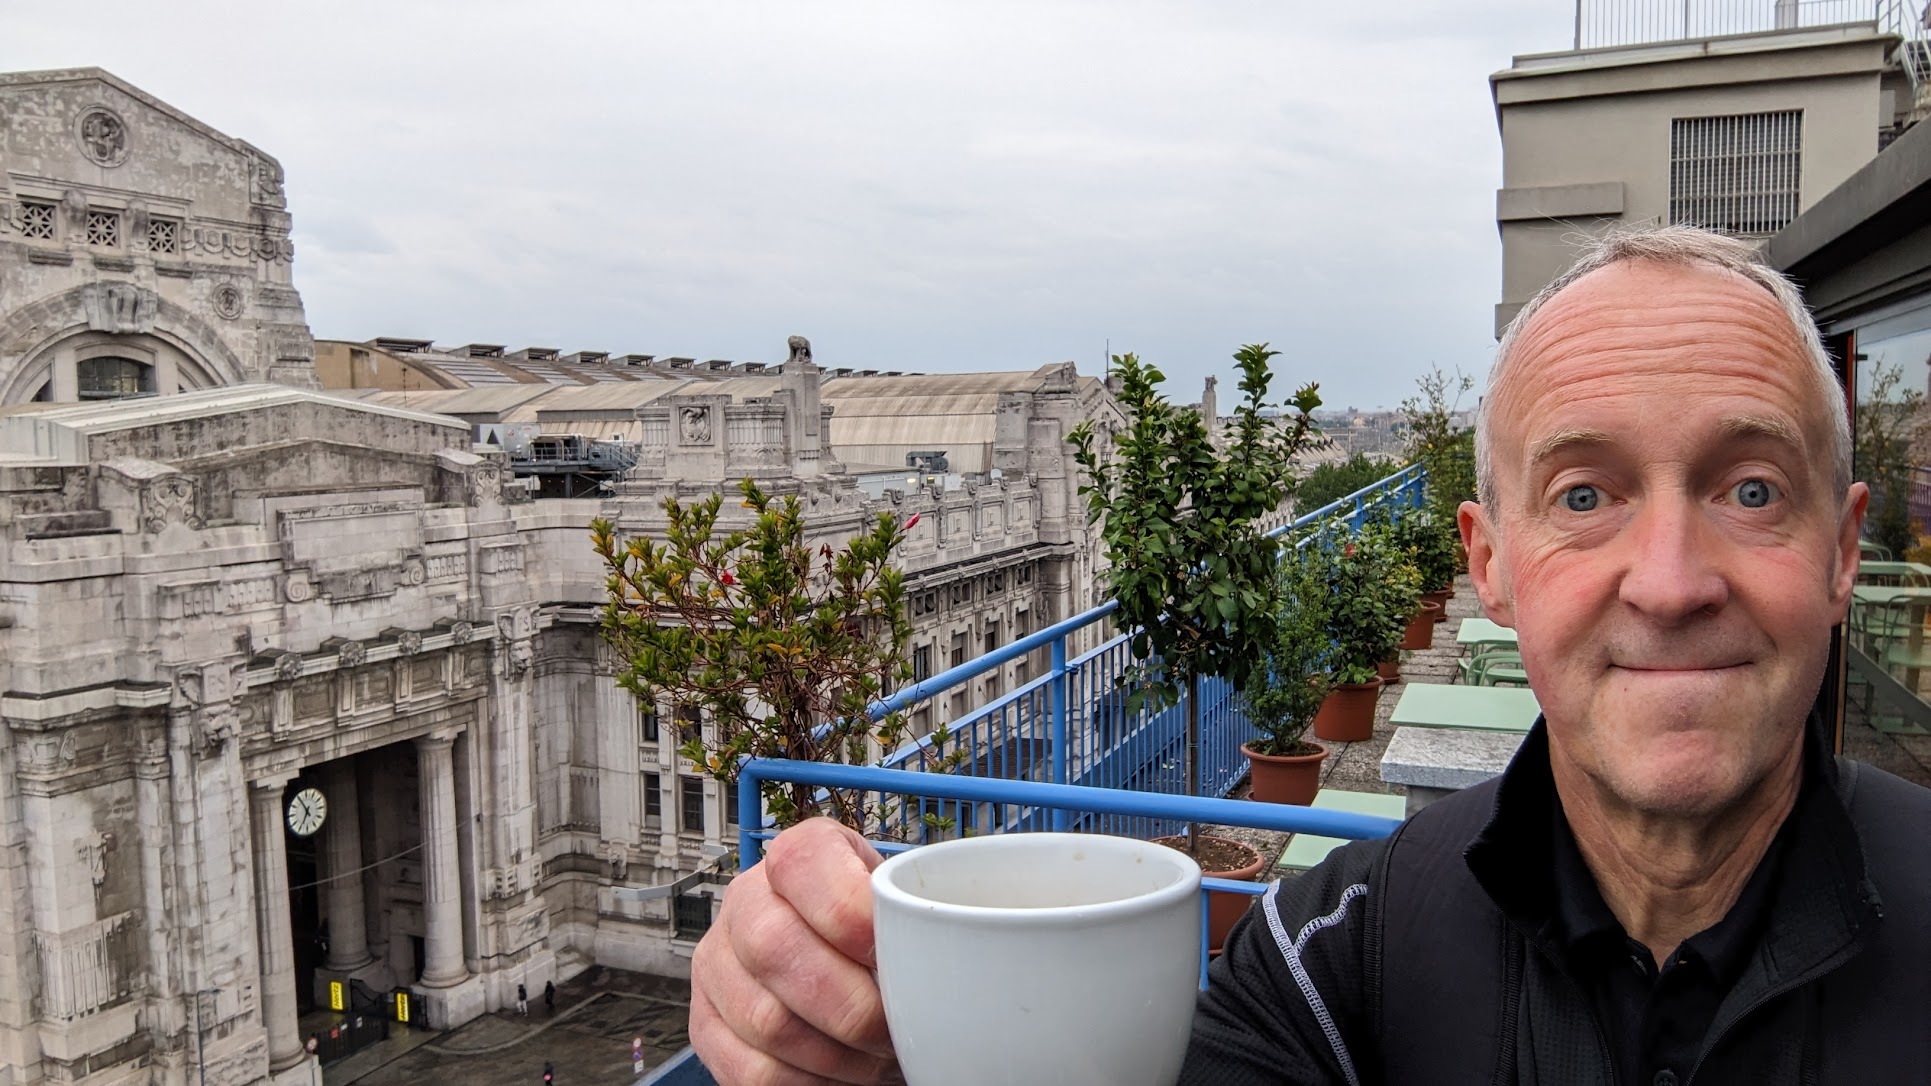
(522, 1000)
(550, 998)
(1674, 880)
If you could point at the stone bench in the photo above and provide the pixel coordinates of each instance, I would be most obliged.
(1432, 762)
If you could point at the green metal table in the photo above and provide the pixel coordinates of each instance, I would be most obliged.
(1306, 850)
(1475, 708)
(1480, 631)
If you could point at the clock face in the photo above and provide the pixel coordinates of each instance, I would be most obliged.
(306, 811)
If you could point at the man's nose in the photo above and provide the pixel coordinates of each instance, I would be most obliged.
(1673, 571)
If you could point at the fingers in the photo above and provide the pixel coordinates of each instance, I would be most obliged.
(832, 994)
(782, 990)
(823, 871)
(747, 1033)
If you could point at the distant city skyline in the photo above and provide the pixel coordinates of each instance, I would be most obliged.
(915, 188)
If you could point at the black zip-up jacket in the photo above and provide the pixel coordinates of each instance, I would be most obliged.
(1431, 956)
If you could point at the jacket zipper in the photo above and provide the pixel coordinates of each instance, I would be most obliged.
(1826, 966)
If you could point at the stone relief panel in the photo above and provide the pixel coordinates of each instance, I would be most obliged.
(694, 425)
(168, 500)
(102, 136)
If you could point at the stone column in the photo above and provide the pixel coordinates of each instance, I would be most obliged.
(348, 925)
(442, 914)
(274, 931)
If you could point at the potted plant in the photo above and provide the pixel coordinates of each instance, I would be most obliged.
(1443, 448)
(1434, 546)
(780, 643)
(1372, 592)
(1178, 513)
(1282, 697)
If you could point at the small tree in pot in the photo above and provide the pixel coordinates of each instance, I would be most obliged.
(1373, 590)
(1283, 697)
(783, 646)
(1194, 578)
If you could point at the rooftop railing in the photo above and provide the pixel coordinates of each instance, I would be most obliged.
(1602, 24)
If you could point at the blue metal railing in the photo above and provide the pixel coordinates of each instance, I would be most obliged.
(1073, 724)
(1062, 751)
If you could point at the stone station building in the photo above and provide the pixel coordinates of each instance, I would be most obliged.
(298, 687)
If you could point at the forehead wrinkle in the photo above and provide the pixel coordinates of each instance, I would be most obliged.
(1567, 438)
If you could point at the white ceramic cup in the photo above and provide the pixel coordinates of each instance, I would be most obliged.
(1027, 958)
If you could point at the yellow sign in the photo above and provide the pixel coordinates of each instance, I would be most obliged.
(402, 1006)
(335, 995)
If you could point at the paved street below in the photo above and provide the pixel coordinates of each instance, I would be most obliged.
(587, 1041)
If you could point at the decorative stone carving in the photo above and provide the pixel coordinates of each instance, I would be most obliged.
(694, 425)
(446, 567)
(288, 666)
(120, 308)
(268, 183)
(522, 657)
(460, 633)
(485, 483)
(92, 853)
(168, 499)
(619, 855)
(413, 572)
(800, 351)
(409, 642)
(46, 753)
(102, 135)
(351, 654)
(299, 588)
(228, 301)
(235, 243)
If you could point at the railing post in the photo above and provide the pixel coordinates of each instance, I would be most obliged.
(750, 814)
(1057, 691)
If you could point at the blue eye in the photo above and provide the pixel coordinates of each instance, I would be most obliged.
(1581, 499)
(1754, 493)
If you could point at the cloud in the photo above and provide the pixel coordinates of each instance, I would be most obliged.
(932, 186)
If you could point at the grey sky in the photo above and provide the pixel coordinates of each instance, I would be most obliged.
(912, 185)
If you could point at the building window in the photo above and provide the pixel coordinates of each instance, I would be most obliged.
(1022, 623)
(36, 220)
(992, 634)
(958, 649)
(104, 228)
(164, 236)
(690, 723)
(647, 720)
(730, 803)
(653, 801)
(1736, 174)
(113, 378)
(692, 915)
(690, 801)
(921, 663)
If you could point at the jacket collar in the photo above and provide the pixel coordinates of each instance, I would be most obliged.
(1822, 905)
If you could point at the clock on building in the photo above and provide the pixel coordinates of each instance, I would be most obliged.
(306, 810)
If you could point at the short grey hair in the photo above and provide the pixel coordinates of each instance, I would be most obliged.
(1680, 245)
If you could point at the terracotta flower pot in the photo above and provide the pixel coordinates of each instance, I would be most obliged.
(1285, 778)
(1389, 670)
(1421, 628)
(1224, 907)
(1347, 716)
(1440, 600)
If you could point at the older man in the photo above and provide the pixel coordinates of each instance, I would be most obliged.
(1673, 882)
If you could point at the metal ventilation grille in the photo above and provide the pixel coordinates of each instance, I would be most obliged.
(1736, 174)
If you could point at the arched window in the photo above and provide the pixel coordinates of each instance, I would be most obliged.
(112, 378)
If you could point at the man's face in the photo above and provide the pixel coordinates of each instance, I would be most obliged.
(1667, 541)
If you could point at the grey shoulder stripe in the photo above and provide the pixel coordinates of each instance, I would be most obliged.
(1290, 948)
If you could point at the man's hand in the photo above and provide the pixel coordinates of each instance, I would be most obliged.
(782, 990)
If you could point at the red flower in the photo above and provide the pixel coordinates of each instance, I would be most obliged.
(1348, 551)
(913, 523)
(727, 578)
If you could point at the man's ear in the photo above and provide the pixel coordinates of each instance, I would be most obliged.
(1850, 528)
(1485, 563)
